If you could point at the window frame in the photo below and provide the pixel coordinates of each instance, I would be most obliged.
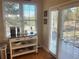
(21, 14)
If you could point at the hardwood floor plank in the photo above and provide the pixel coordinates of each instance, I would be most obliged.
(40, 55)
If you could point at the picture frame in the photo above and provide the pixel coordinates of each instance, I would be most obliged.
(45, 13)
(45, 21)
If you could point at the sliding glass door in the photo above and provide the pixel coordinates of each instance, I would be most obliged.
(70, 34)
(53, 32)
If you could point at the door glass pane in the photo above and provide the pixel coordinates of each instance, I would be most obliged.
(68, 35)
(53, 39)
(76, 43)
(70, 41)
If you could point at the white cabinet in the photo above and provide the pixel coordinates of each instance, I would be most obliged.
(24, 45)
(3, 54)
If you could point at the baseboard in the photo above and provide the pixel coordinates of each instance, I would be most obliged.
(39, 46)
(46, 49)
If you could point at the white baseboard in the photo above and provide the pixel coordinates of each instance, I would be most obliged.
(39, 46)
(46, 49)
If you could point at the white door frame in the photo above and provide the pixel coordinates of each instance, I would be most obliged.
(60, 7)
(49, 29)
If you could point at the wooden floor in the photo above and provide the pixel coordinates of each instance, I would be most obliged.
(40, 55)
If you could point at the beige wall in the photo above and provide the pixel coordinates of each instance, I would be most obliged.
(47, 4)
(2, 35)
(39, 20)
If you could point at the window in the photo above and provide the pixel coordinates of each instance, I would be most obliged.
(12, 18)
(23, 21)
(29, 19)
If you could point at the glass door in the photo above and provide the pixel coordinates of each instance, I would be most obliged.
(70, 30)
(53, 32)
